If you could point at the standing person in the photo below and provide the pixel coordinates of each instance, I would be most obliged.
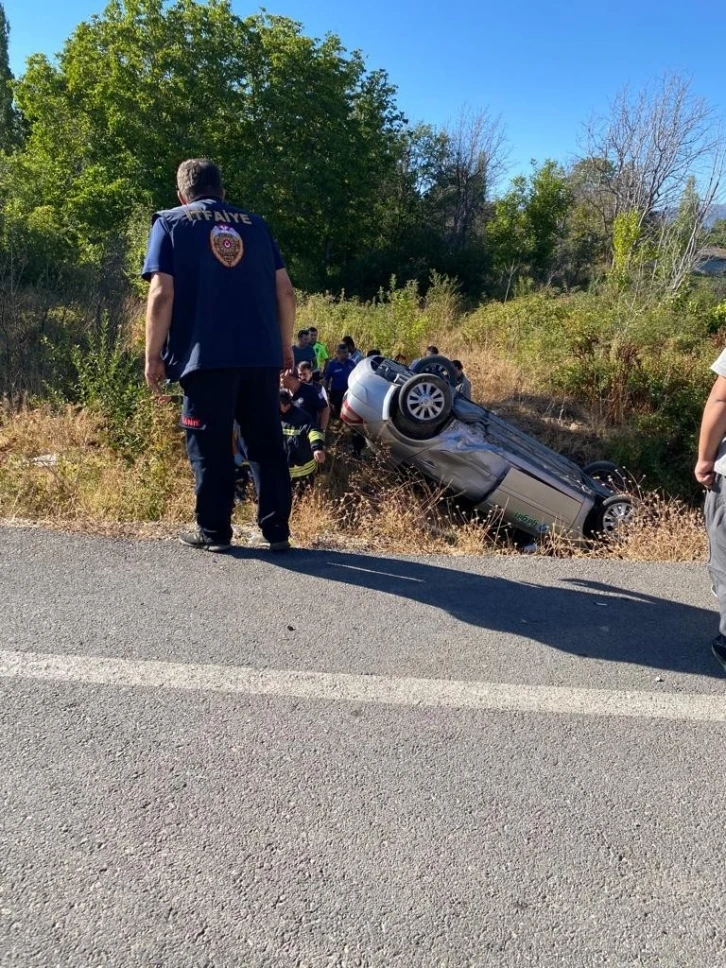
(463, 383)
(304, 442)
(308, 397)
(219, 319)
(307, 375)
(353, 352)
(336, 377)
(321, 353)
(302, 351)
(710, 471)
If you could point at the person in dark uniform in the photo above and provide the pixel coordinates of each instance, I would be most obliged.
(307, 397)
(304, 441)
(336, 376)
(219, 319)
(306, 374)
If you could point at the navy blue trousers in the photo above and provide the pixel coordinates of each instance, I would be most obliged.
(213, 400)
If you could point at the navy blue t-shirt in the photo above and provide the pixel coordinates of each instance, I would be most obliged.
(223, 261)
(338, 373)
(308, 398)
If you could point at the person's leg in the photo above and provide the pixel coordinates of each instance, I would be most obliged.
(207, 419)
(714, 512)
(336, 401)
(359, 443)
(258, 415)
(242, 476)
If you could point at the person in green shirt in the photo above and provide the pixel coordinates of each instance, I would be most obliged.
(321, 354)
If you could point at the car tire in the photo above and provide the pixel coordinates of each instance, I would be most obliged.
(439, 366)
(614, 514)
(614, 478)
(423, 406)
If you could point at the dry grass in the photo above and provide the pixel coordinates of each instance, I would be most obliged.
(58, 466)
(664, 529)
(89, 487)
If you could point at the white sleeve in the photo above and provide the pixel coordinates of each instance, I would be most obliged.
(720, 365)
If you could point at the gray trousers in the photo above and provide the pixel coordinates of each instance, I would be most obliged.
(715, 514)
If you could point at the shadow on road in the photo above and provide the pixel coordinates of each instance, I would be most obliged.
(584, 618)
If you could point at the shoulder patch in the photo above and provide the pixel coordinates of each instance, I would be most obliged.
(226, 244)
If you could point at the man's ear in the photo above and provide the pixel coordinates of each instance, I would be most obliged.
(182, 198)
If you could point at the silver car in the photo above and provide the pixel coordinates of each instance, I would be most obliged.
(416, 417)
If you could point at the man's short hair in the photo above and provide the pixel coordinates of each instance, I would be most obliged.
(458, 364)
(286, 397)
(312, 329)
(305, 365)
(302, 332)
(433, 350)
(342, 347)
(199, 178)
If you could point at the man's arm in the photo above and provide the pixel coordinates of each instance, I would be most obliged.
(317, 444)
(286, 306)
(158, 322)
(713, 430)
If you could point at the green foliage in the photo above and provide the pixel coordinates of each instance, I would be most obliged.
(109, 381)
(641, 366)
(303, 132)
(9, 121)
(717, 233)
(627, 232)
(526, 224)
(313, 140)
(397, 321)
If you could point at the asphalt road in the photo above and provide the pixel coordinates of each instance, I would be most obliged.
(327, 759)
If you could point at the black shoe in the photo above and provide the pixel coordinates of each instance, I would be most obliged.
(197, 539)
(280, 545)
(718, 647)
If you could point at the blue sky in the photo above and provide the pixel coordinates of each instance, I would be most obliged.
(545, 67)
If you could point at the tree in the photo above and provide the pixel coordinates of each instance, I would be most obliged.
(9, 128)
(435, 202)
(649, 155)
(527, 224)
(717, 233)
(584, 247)
(471, 160)
(681, 237)
(303, 132)
(644, 151)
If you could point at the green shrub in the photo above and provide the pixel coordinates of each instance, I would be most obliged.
(105, 376)
(398, 320)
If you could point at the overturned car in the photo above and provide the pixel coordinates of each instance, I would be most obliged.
(416, 417)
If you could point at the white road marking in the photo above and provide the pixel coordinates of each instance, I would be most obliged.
(383, 574)
(339, 687)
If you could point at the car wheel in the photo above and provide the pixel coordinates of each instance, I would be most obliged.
(610, 475)
(438, 366)
(615, 513)
(424, 406)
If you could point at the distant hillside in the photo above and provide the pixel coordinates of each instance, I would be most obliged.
(715, 213)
